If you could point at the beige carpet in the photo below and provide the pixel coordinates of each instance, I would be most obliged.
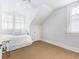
(42, 50)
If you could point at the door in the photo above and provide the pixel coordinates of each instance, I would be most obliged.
(36, 32)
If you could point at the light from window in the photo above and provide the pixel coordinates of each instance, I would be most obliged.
(75, 11)
(13, 23)
(74, 21)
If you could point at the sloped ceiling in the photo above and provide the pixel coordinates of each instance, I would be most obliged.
(52, 3)
(43, 12)
(46, 8)
(43, 7)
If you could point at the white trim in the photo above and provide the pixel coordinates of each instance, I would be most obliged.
(36, 40)
(74, 49)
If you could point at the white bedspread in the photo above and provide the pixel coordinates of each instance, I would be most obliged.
(3, 38)
(16, 41)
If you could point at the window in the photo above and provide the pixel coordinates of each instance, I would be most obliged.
(13, 23)
(7, 22)
(74, 20)
(19, 22)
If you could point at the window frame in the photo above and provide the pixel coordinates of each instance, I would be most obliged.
(14, 16)
(69, 15)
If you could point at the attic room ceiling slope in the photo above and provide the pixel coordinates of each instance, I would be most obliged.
(47, 7)
(52, 3)
(43, 12)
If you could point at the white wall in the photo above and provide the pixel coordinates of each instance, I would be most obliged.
(35, 28)
(55, 26)
(55, 30)
(36, 32)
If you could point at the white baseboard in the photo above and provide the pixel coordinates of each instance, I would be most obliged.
(37, 40)
(74, 49)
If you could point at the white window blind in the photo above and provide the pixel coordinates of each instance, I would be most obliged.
(19, 22)
(7, 22)
(74, 20)
(13, 23)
